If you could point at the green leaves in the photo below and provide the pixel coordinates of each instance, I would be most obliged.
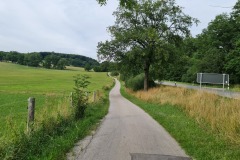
(80, 98)
(142, 32)
(81, 82)
(123, 3)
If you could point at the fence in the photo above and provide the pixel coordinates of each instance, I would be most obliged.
(31, 108)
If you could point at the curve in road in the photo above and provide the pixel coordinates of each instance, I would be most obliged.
(128, 133)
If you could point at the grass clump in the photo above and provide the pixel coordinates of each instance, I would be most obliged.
(55, 135)
(195, 135)
(108, 87)
(220, 113)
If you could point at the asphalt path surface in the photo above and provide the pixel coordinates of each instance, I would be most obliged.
(128, 133)
(218, 91)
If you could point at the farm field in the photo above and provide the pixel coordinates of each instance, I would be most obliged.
(21, 79)
(51, 88)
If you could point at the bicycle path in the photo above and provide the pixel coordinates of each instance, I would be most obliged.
(129, 133)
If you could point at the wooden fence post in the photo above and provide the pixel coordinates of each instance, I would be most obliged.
(98, 93)
(94, 96)
(31, 110)
(71, 96)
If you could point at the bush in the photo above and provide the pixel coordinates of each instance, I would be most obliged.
(137, 82)
(114, 73)
(106, 88)
(80, 99)
(123, 77)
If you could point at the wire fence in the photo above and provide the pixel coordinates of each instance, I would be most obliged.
(18, 111)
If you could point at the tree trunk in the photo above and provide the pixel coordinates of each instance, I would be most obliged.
(146, 75)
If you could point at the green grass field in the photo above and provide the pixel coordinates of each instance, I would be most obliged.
(18, 83)
(22, 79)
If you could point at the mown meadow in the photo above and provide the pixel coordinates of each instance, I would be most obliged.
(52, 89)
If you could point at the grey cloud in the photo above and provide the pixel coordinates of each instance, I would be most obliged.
(75, 26)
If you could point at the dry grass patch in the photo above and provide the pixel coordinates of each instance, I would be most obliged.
(222, 114)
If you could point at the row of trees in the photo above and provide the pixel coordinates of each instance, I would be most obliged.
(153, 37)
(48, 60)
(215, 50)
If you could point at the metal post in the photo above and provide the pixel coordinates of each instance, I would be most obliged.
(31, 110)
(223, 81)
(200, 80)
(228, 82)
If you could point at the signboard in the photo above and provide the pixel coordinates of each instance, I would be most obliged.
(213, 78)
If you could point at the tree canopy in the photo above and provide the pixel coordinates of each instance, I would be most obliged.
(216, 49)
(49, 60)
(146, 34)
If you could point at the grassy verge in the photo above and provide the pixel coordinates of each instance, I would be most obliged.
(57, 136)
(233, 87)
(197, 140)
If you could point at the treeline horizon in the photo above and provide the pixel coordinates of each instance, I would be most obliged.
(215, 50)
(49, 60)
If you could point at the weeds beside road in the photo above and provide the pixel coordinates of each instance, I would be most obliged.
(55, 130)
(206, 125)
(232, 93)
(56, 136)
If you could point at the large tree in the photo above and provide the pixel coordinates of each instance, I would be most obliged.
(146, 33)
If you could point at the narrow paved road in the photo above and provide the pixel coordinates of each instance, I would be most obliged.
(127, 131)
(218, 91)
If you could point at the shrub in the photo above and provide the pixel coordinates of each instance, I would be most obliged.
(114, 73)
(80, 99)
(125, 76)
(137, 82)
(106, 88)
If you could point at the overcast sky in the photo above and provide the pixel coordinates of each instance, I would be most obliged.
(76, 26)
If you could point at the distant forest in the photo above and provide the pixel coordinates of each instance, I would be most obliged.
(49, 60)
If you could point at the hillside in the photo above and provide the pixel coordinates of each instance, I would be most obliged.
(47, 59)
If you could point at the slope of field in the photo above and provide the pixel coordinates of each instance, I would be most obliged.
(51, 89)
(21, 79)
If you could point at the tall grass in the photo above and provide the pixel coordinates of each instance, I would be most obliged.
(18, 83)
(198, 141)
(53, 114)
(55, 129)
(222, 114)
(55, 109)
